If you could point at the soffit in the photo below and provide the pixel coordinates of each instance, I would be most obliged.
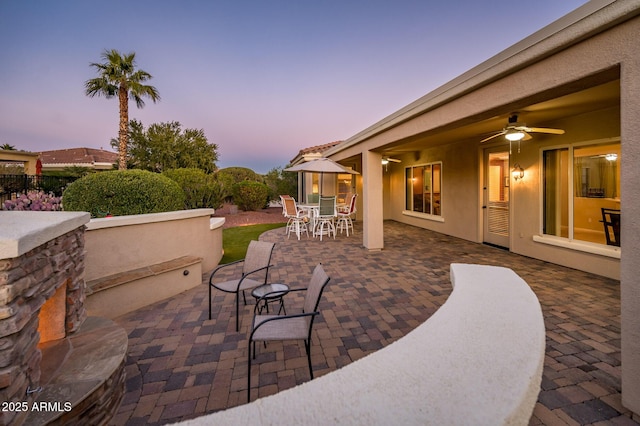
(539, 114)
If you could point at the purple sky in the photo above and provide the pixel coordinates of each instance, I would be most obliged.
(264, 79)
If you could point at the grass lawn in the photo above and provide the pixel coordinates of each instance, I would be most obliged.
(236, 240)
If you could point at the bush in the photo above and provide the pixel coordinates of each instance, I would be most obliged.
(250, 195)
(34, 201)
(201, 190)
(123, 192)
(229, 176)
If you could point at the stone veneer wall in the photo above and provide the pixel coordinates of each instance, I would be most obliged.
(26, 282)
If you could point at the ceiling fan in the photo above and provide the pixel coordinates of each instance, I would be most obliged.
(515, 131)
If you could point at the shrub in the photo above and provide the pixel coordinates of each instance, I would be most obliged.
(231, 175)
(201, 190)
(123, 192)
(250, 195)
(34, 201)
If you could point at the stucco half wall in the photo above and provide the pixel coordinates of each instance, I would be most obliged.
(128, 242)
(477, 360)
(133, 261)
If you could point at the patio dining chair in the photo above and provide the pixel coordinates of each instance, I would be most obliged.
(345, 222)
(255, 272)
(324, 220)
(297, 219)
(282, 198)
(266, 328)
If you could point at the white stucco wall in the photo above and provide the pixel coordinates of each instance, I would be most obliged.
(122, 243)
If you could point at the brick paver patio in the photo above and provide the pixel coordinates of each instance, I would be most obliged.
(182, 365)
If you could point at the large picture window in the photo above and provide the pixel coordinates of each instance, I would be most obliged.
(424, 188)
(581, 192)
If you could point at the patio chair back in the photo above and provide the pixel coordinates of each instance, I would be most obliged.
(313, 198)
(319, 280)
(282, 201)
(352, 204)
(290, 207)
(327, 207)
(258, 256)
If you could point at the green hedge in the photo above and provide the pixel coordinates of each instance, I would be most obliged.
(250, 195)
(123, 192)
(201, 190)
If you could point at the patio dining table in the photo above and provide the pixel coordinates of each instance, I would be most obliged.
(313, 210)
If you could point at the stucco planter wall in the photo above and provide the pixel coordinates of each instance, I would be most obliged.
(141, 259)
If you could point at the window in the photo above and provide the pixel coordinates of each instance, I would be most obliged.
(581, 192)
(423, 189)
(346, 185)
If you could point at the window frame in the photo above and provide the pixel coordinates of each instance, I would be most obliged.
(569, 241)
(424, 215)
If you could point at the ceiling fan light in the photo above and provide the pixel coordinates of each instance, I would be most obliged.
(385, 161)
(514, 135)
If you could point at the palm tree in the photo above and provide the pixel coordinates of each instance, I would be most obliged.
(7, 147)
(119, 76)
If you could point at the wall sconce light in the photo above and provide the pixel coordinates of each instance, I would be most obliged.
(517, 172)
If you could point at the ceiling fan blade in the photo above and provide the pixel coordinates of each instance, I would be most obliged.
(493, 136)
(394, 160)
(545, 130)
(527, 136)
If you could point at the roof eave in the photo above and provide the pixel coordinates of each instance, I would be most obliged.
(591, 18)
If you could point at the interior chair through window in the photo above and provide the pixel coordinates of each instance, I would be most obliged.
(611, 222)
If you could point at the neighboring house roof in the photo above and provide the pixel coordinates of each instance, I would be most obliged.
(312, 152)
(78, 157)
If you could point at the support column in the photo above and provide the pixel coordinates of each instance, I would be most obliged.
(630, 232)
(372, 207)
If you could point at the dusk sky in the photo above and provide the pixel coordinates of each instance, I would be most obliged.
(263, 79)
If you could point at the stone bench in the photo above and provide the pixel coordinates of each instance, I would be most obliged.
(123, 292)
(477, 360)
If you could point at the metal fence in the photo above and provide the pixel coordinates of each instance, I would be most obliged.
(11, 185)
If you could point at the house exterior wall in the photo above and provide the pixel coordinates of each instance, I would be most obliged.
(526, 201)
(460, 185)
(630, 267)
(28, 158)
(598, 45)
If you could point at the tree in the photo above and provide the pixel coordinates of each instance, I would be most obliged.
(7, 147)
(165, 146)
(119, 77)
(281, 183)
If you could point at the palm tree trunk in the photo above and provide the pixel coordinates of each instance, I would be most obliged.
(123, 132)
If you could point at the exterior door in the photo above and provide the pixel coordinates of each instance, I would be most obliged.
(496, 197)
